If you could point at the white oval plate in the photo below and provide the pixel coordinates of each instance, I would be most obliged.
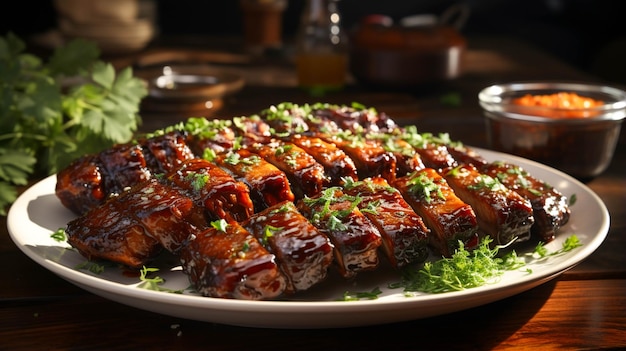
(37, 213)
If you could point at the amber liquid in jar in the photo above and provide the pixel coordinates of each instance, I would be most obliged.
(321, 49)
(323, 71)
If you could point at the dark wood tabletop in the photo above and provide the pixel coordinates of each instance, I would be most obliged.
(583, 308)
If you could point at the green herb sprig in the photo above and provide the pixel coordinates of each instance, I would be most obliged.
(469, 269)
(54, 111)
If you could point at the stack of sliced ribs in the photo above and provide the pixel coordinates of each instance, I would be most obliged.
(263, 206)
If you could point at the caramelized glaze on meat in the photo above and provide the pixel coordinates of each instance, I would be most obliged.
(337, 164)
(231, 264)
(90, 180)
(302, 251)
(502, 213)
(355, 239)
(450, 219)
(305, 174)
(132, 228)
(212, 189)
(404, 234)
(268, 185)
(550, 207)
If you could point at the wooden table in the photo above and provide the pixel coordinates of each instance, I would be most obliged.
(583, 308)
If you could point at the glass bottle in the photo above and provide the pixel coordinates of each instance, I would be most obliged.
(321, 48)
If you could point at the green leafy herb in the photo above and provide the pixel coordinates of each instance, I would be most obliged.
(220, 225)
(54, 111)
(59, 235)
(91, 266)
(197, 180)
(268, 232)
(468, 269)
(367, 295)
(425, 188)
(155, 282)
(572, 199)
(334, 218)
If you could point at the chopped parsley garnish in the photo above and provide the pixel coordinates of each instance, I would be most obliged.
(59, 235)
(469, 269)
(366, 295)
(572, 199)
(283, 149)
(334, 218)
(220, 225)
(155, 282)
(425, 188)
(198, 180)
(268, 232)
(90, 266)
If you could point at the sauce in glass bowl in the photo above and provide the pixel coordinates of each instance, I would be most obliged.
(573, 127)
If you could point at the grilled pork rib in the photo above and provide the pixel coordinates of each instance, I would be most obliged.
(230, 262)
(355, 239)
(90, 180)
(450, 219)
(305, 174)
(502, 213)
(370, 158)
(213, 189)
(404, 234)
(550, 207)
(135, 226)
(337, 164)
(268, 185)
(303, 253)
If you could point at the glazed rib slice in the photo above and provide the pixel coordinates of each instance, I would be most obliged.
(287, 119)
(353, 236)
(228, 261)
(203, 134)
(325, 118)
(432, 149)
(132, 228)
(550, 207)
(337, 164)
(370, 158)
(408, 160)
(90, 180)
(306, 175)
(213, 189)
(449, 218)
(303, 253)
(354, 118)
(404, 234)
(79, 186)
(165, 152)
(502, 213)
(465, 155)
(252, 130)
(268, 185)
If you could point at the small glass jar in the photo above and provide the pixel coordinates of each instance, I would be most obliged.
(321, 48)
(579, 141)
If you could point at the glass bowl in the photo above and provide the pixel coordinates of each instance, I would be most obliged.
(573, 127)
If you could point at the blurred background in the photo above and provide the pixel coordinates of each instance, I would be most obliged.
(588, 34)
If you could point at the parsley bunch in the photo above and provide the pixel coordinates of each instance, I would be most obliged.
(469, 269)
(54, 111)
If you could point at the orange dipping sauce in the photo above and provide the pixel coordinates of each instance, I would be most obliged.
(560, 105)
